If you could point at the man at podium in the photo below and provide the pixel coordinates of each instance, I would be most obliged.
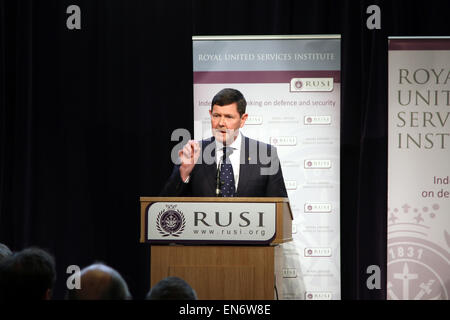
(228, 164)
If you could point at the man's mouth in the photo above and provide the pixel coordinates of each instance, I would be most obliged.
(225, 132)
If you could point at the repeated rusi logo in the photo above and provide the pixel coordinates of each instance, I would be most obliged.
(294, 228)
(170, 222)
(318, 252)
(317, 164)
(289, 273)
(254, 120)
(290, 184)
(283, 141)
(311, 85)
(316, 295)
(317, 120)
(322, 207)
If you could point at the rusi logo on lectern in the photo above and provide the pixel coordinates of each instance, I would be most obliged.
(311, 84)
(317, 252)
(170, 222)
(210, 221)
(225, 219)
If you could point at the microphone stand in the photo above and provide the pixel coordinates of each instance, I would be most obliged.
(218, 179)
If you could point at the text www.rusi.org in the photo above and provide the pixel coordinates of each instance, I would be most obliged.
(234, 232)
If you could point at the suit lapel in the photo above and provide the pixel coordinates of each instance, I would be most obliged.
(244, 174)
(210, 169)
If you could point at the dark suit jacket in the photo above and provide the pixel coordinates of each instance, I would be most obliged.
(259, 173)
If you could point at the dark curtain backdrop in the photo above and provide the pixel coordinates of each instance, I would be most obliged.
(86, 118)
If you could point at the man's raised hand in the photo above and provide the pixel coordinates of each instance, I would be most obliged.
(188, 157)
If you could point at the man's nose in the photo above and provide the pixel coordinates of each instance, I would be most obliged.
(222, 121)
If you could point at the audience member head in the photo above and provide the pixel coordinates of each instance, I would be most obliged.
(4, 251)
(27, 275)
(100, 282)
(172, 288)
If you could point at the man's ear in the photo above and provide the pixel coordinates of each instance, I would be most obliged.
(243, 119)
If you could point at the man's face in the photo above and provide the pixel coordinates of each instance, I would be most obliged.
(226, 122)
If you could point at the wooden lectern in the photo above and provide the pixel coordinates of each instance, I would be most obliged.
(219, 270)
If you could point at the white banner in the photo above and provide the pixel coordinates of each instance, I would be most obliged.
(292, 88)
(419, 169)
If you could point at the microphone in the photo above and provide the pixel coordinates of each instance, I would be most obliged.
(218, 179)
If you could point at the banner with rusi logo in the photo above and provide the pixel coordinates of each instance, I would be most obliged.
(419, 169)
(199, 222)
(292, 87)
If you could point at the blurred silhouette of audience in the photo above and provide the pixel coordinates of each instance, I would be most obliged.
(171, 288)
(30, 274)
(4, 251)
(27, 275)
(100, 282)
